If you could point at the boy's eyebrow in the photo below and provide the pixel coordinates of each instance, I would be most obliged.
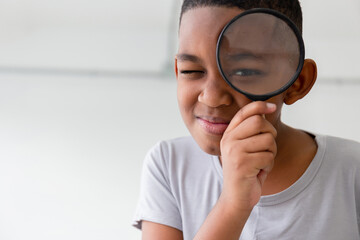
(244, 56)
(187, 57)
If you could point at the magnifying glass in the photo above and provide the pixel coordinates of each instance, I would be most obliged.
(260, 53)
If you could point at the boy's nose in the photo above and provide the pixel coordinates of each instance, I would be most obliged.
(215, 93)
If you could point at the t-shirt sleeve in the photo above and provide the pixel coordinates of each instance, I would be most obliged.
(157, 203)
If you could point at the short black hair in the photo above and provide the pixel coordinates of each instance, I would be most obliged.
(290, 8)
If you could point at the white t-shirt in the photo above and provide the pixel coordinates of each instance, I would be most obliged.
(181, 184)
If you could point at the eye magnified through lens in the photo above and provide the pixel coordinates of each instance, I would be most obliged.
(260, 53)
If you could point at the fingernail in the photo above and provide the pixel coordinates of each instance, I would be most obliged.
(270, 106)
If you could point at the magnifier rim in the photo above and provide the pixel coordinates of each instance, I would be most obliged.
(291, 24)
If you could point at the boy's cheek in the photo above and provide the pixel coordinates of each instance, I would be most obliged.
(186, 102)
(187, 92)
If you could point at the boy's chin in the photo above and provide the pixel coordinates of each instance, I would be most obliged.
(210, 146)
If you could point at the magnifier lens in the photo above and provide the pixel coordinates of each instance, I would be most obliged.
(259, 54)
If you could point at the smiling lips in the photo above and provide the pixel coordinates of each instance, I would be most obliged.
(213, 125)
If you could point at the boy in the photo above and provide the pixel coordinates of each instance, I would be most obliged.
(242, 175)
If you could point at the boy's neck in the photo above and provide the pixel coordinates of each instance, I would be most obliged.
(296, 150)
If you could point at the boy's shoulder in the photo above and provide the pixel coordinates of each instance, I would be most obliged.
(341, 145)
(179, 160)
(176, 150)
(340, 150)
(176, 145)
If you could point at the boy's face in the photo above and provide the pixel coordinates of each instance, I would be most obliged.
(207, 104)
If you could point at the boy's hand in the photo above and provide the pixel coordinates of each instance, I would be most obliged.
(248, 149)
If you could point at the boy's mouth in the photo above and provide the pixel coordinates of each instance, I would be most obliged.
(213, 125)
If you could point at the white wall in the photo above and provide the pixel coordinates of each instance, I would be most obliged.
(332, 37)
(87, 35)
(71, 150)
(75, 122)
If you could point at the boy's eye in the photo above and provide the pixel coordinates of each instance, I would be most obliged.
(246, 72)
(192, 74)
(190, 71)
(244, 76)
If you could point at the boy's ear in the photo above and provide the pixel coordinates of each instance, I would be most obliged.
(303, 84)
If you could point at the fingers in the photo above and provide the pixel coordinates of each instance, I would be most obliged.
(252, 109)
(252, 126)
(249, 131)
(247, 157)
(261, 162)
(259, 143)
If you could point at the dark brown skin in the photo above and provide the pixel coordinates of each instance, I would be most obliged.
(259, 155)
